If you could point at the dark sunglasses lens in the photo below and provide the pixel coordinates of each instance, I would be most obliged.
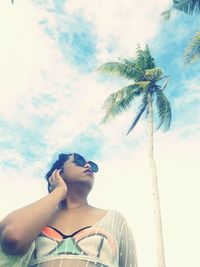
(79, 160)
(94, 166)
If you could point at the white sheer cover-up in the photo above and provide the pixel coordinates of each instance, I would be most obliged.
(108, 243)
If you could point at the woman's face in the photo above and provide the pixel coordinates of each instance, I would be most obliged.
(74, 172)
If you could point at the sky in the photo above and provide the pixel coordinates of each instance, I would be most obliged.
(51, 103)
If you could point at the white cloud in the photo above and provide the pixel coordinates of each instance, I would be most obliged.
(120, 24)
(12, 156)
(18, 190)
(24, 52)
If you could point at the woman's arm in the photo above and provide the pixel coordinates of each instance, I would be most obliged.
(127, 248)
(20, 228)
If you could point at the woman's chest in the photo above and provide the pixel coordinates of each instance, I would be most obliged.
(68, 223)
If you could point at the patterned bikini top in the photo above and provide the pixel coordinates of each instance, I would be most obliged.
(108, 243)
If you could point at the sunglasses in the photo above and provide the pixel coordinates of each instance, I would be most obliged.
(80, 161)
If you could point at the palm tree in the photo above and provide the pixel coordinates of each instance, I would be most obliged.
(145, 76)
(190, 7)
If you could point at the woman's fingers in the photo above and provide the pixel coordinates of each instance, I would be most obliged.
(56, 181)
(52, 178)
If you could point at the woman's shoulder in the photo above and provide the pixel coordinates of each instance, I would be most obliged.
(119, 214)
(114, 213)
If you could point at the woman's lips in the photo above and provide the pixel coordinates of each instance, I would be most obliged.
(88, 171)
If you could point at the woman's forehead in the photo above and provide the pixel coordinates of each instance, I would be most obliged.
(71, 158)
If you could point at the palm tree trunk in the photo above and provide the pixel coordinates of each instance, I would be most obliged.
(156, 201)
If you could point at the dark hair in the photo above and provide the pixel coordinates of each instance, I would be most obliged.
(58, 164)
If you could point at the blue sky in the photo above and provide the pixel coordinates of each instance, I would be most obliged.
(52, 101)
(168, 48)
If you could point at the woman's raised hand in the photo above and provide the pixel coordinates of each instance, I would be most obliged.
(56, 181)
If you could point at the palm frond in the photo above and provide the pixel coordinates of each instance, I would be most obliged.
(144, 60)
(165, 82)
(130, 68)
(148, 59)
(120, 101)
(155, 73)
(140, 112)
(189, 7)
(123, 69)
(164, 110)
(143, 84)
(192, 51)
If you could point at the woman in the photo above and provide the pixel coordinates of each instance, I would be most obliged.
(63, 229)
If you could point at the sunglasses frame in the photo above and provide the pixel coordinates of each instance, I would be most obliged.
(78, 159)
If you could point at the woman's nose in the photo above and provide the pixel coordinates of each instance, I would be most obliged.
(87, 165)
